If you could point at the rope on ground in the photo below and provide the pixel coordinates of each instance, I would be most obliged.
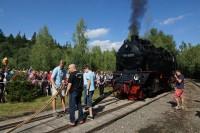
(40, 110)
(24, 81)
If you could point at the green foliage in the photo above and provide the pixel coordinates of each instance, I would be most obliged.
(105, 60)
(41, 52)
(40, 57)
(44, 37)
(22, 60)
(188, 55)
(109, 60)
(96, 58)
(20, 90)
(188, 59)
(79, 53)
(2, 36)
(160, 39)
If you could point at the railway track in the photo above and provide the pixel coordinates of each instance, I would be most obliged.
(198, 85)
(5, 126)
(99, 102)
(115, 103)
(114, 106)
(67, 126)
(49, 118)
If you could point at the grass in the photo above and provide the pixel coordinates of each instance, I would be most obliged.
(8, 110)
(17, 109)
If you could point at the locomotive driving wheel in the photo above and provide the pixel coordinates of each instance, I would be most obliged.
(153, 88)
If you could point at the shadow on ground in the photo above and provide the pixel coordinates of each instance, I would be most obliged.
(197, 114)
(197, 101)
(173, 104)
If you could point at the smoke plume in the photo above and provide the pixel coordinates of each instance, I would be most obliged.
(138, 10)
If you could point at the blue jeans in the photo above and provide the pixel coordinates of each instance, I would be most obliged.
(89, 98)
(74, 103)
(85, 94)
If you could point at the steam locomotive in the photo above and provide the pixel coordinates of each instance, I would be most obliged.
(142, 70)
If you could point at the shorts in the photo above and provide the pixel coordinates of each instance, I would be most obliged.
(178, 93)
(89, 98)
(54, 91)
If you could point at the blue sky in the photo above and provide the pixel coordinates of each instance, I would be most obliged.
(107, 20)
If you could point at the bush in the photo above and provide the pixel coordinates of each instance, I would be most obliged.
(20, 90)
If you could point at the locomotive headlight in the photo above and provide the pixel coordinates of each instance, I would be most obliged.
(136, 77)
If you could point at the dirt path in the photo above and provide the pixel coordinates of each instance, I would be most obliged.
(161, 117)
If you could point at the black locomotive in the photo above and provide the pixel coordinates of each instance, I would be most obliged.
(142, 69)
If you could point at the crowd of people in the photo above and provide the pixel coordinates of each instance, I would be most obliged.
(61, 82)
(42, 79)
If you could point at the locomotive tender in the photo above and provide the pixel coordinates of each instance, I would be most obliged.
(142, 69)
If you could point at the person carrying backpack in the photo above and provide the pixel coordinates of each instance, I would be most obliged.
(74, 89)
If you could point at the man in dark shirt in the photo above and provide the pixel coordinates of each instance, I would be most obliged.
(74, 89)
(2, 76)
(179, 87)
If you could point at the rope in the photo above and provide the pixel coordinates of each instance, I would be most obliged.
(5, 82)
(37, 112)
(24, 81)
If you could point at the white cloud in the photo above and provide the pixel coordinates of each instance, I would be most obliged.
(106, 44)
(95, 33)
(172, 20)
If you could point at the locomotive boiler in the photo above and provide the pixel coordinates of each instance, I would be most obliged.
(142, 70)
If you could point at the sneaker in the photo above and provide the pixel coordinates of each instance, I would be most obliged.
(72, 123)
(81, 122)
(177, 107)
(63, 112)
(90, 117)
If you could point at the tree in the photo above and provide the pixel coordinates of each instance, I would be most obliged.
(160, 39)
(41, 58)
(188, 59)
(20, 41)
(33, 38)
(44, 37)
(24, 39)
(18, 38)
(109, 60)
(11, 39)
(184, 46)
(2, 36)
(6, 50)
(96, 58)
(79, 53)
(22, 60)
